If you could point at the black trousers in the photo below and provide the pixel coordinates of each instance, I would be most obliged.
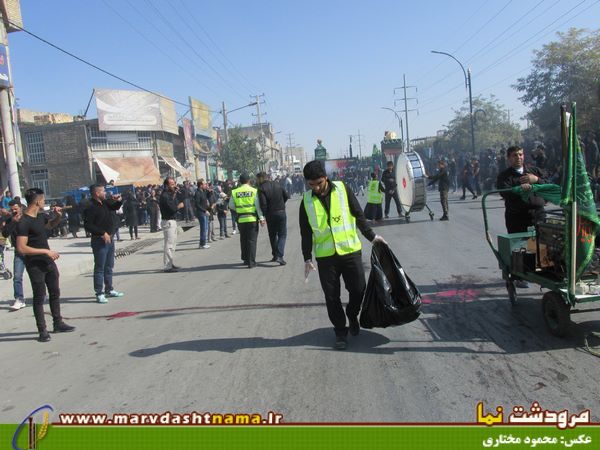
(248, 237)
(351, 269)
(518, 223)
(277, 226)
(44, 274)
(388, 200)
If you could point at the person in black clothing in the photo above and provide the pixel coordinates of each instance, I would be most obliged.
(202, 206)
(130, 210)
(10, 230)
(348, 265)
(153, 209)
(272, 199)
(74, 216)
(443, 181)
(101, 224)
(169, 205)
(520, 214)
(32, 243)
(388, 178)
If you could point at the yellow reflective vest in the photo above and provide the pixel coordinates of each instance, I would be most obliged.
(244, 198)
(373, 194)
(334, 232)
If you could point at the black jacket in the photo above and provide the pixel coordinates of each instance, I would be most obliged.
(272, 198)
(99, 217)
(168, 205)
(201, 201)
(389, 180)
(514, 203)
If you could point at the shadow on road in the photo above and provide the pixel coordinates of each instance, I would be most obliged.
(321, 338)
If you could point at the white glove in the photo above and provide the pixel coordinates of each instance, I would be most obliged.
(378, 238)
(308, 267)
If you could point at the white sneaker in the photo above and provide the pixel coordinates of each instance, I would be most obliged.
(234, 232)
(18, 304)
(205, 246)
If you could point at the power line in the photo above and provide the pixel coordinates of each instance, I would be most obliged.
(186, 42)
(156, 46)
(106, 72)
(233, 67)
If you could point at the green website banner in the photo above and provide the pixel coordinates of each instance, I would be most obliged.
(327, 437)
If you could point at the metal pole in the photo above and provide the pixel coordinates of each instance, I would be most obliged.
(406, 115)
(225, 137)
(471, 113)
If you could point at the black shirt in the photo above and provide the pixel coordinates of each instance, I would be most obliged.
(442, 178)
(100, 218)
(272, 198)
(10, 230)
(34, 228)
(168, 205)
(355, 210)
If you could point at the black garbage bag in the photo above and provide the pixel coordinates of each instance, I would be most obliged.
(391, 298)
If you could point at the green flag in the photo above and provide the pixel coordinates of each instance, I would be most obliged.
(549, 192)
(576, 189)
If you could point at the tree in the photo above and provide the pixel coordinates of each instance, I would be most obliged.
(241, 154)
(492, 128)
(564, 71)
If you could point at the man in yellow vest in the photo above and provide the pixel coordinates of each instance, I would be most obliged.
(245, 202)
(329, 217)
(373, 210)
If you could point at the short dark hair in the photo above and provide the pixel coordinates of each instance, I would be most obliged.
(512, 149)
(373, 175)
(31, 195)
(15, 201)
(261, 175)
(244, 178)
(390, 163)
(314, 170)
(94, 188)
(167, 180)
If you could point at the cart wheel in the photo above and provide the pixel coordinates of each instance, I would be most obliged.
(431, 216)
(512, 292)
(556, 313)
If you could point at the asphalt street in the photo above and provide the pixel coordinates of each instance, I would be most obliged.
(219, 337)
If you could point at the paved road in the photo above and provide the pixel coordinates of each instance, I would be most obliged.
(219, 337)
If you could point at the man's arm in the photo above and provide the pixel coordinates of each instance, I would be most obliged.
(113, 204)
(55, 221)
(262, 197)
(9, 227)
(305, 233)
(259, 212)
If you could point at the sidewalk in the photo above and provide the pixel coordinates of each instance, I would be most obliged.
(76, 255)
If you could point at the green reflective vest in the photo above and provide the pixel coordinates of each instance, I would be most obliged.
(244, 198)
(336, 232)
(373, 194)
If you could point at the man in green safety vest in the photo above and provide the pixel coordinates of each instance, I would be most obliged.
(329, 217)
(244, 200)
(373, 210)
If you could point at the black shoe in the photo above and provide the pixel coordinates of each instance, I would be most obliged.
(171, 270)
(340, 343)
(444, 218)
(463, 197)
(62, 327)
(251, 265)
(176, 267)
(354, 327)
(274, 259)
(281, 262)
(44, 336)
(474, 197)
(387, 217)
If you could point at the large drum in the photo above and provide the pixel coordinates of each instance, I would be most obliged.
(412, 182)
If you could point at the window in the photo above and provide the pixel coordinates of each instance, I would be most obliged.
(39, 179)
(35, 147)
(120, 140)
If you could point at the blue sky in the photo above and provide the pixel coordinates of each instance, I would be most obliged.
(326, 67)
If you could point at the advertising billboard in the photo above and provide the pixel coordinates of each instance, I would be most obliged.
(120, 110)
(4, 75)
(201, 117)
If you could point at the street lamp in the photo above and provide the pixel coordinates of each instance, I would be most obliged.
(467, 75)
(399, 122)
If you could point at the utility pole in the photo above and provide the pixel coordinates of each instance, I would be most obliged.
(11, 174)
(289, 148)
(225, 137)
(261, 135)
(405, 99)
(350, 146)
(508, 110)
(359, 145)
